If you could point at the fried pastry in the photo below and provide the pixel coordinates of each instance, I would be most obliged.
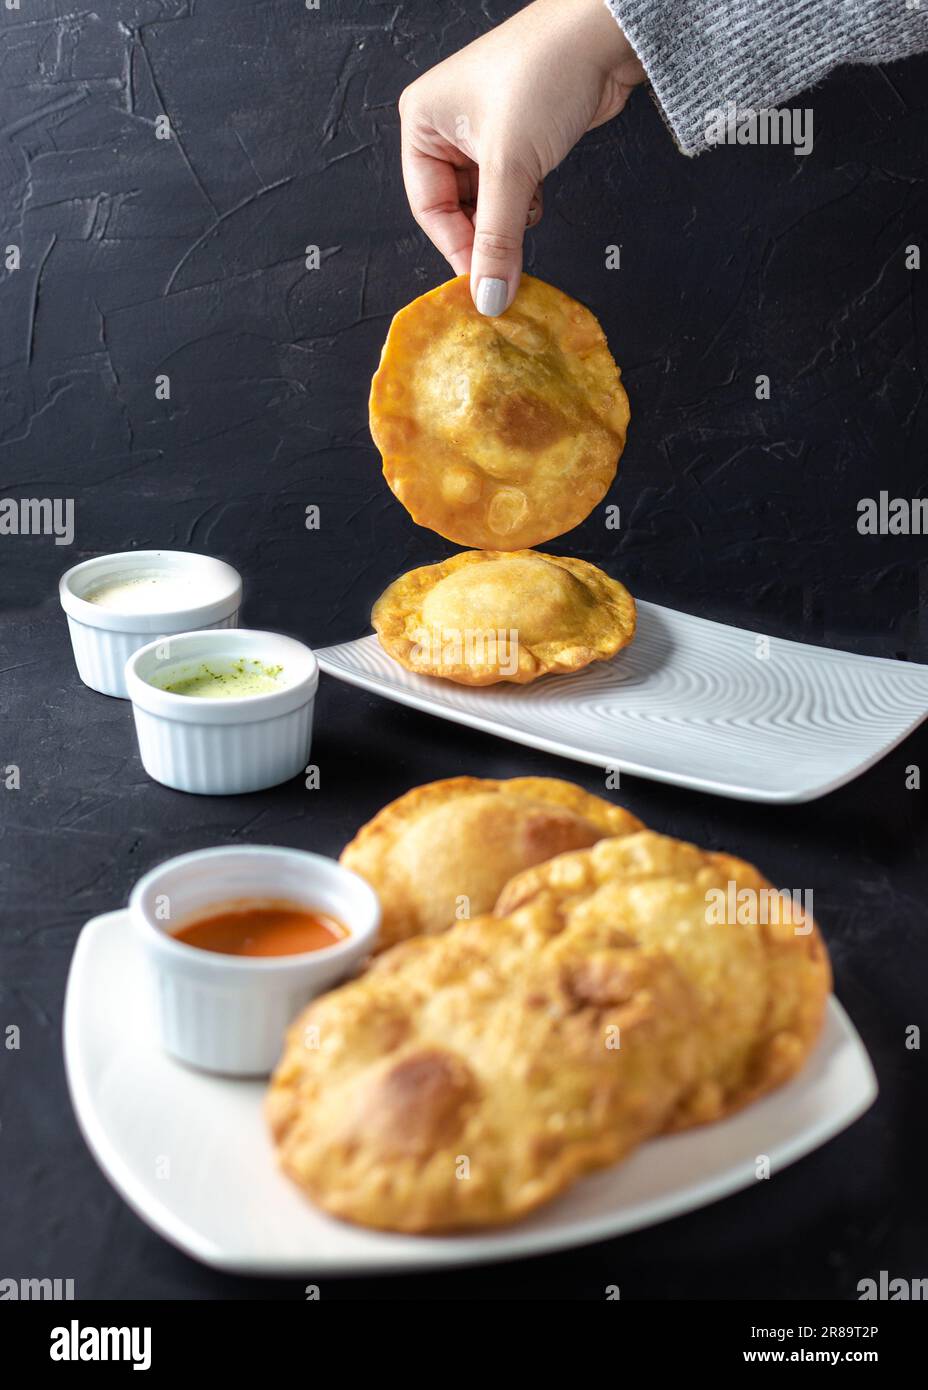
(761, 980)
(500, 432)
(486, 616)
(467, 1078)
(447, 849)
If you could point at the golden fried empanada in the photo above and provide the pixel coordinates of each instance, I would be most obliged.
(762, 980)
(446, 850)
(467, 1078)
(498, 432)
(485, 616)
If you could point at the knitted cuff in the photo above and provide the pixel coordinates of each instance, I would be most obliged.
(703, 57)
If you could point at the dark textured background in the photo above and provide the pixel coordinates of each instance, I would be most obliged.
(184, 256)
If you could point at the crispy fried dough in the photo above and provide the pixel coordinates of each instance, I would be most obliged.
(468, 1078)
(453, 845)
(762, 981)
(485, 616)
(500, 432)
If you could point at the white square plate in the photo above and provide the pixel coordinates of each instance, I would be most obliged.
(191, 1154)
(690, 702)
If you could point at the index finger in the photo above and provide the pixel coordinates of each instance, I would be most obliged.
(432, 190)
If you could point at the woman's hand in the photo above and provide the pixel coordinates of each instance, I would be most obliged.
(482, 129)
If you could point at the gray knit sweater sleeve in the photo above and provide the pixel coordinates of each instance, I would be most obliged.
(701, 55)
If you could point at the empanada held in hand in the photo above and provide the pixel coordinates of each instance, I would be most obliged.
(498, 433)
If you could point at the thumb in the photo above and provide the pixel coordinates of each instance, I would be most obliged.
(504, 194)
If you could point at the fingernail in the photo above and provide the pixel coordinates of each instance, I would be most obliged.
(491, 297)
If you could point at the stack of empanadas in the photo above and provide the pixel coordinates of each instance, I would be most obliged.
(473, 1074)
(500, 433)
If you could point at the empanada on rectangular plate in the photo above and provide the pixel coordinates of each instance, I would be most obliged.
(484, 616)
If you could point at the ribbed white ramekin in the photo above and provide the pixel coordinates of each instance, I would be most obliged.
(222, 746)
(229, 1013)
(103, 639)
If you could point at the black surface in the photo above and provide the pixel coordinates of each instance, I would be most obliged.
(185, 256)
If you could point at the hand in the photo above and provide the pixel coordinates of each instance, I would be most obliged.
(482, 129)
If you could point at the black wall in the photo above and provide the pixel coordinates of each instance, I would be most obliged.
(185, 256)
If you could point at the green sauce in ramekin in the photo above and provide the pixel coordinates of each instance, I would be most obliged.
(232, 681)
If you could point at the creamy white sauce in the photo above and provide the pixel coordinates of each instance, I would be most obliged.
(152, 591)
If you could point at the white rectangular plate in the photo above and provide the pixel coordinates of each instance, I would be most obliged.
(190, 1152)
(690, 702)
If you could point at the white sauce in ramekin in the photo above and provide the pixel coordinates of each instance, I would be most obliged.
(118, 603)
(153, 592)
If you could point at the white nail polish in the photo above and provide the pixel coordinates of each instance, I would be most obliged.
(491, 296)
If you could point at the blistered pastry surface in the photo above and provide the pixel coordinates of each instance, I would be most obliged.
(498, 433)
(485, 616)
(448, 848)
(468, 1078)
(757, 963)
